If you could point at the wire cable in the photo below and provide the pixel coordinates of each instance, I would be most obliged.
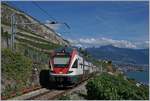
(43, 10)
(53, 22)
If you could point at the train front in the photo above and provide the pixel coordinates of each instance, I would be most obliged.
(60, 73)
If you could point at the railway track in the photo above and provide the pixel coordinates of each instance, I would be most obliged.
(47, 94)
(56, 93)
(50, 95)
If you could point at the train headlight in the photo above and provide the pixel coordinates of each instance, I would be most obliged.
(60, 72)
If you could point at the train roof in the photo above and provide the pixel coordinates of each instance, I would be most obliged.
(68, 50)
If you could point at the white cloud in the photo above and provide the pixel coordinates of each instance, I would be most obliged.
(96, 42)
(144, 44)
(147, 42)
(78, 45)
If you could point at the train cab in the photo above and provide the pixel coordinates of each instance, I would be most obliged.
(64, 66)
(68, 67)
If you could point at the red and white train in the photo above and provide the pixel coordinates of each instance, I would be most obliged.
(68, 67)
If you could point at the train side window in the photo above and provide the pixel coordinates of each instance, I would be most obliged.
(75, 65)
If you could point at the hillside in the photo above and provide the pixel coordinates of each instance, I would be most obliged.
(36, 29)
(121, 55)
(33, 43)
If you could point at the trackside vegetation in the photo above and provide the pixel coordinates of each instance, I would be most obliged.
(109, 87)
(16, 69)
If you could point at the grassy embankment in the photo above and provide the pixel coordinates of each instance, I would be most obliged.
(110, 87)
(18, 66)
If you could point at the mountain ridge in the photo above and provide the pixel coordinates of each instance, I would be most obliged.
(120, 55)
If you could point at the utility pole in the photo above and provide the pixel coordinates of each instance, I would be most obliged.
(13, 31)
(13, 28)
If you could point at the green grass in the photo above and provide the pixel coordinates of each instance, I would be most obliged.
(17, 69)
(34, 54)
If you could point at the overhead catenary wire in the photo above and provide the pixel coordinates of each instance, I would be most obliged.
(16, 6)
(54, 20)
(43, 10)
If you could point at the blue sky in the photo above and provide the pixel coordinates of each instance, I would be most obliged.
(122, 24)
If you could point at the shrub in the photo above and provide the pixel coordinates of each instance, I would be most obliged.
(108, 87)
(64, 97)
(15, 65)
(17, 69)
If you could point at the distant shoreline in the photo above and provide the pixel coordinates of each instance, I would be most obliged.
(139, 76)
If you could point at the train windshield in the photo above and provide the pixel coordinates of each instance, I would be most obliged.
(61, 61)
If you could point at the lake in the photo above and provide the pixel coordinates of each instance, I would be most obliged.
(139, 76)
